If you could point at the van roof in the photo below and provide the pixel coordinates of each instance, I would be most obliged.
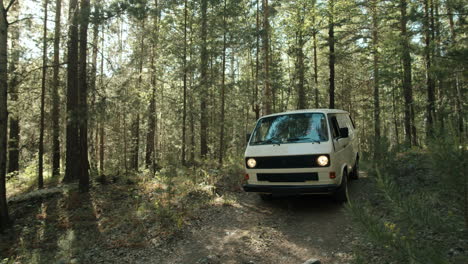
(317, 110)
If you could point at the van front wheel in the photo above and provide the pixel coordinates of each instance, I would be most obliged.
(341, 195)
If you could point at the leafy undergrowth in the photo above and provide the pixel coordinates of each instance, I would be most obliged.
(415, 210)
(136, 212)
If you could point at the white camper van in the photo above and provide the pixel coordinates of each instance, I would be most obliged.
(311, 151)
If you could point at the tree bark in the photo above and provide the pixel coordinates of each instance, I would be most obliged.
(14, 134)
(314, 37)
(410, 128)
(430, 82)
(375, 52)
(203, 81)
(4, 216)
(55, 93)
(331, 58)
(301, 93)
(72, 169)
(256, 107)
(184, 114)
(94, 124)
(40, 178)
(101, 127)
(223, 90)
(267, 93)
(82, 98)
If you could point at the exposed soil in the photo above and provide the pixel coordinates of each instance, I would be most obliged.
(115, 224)
(283, 230)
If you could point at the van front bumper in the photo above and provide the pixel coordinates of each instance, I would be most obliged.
(291, 189)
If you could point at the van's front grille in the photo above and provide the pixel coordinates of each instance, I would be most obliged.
(287, 177)
(287, 162)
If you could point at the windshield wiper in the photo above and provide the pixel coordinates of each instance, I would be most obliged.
(295, 139)
(302, 138)
(268, 141)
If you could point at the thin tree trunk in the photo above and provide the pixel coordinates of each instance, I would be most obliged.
(184, 114)
(14, 134)
(375, 53)
(455, 84)
(101, 127)
(40, 178)
(72, 168)
(149, 158)
(82, 98)
(4, 216)
(94, 133)
(301, 93)
(430, 82)
(136, 122)
(191, 97)
(331, 59)
(395, 118)
(203, 81)
(314, 36)
(223, 90)
(256, 107)
(410, 129)
(267, 93)
(55, 93)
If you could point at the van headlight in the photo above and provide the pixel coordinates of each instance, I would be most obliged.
(251, 163)
(322, 160)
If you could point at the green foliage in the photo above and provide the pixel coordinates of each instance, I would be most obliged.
(416, 210)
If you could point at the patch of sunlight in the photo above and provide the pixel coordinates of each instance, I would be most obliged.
(227, 201)
(65, 243)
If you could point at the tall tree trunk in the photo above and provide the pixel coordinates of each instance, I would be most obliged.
(82, 98)
(301, 93)
(150, 160)
(331, 58)
(375, 52)
(184, 114)
(149, 156)
(94, 124)
(410, 128)
(135, 142)
(55, 93)
(4, 216)
(136, 121)
(314, 37)
(267, 93)
(430, 82)
(395, 118)
(455, 83)
(40, 178)
(72, 169)
(101, 127)
(14, 134)
(223, 90)
(256, 106)
(203, 81)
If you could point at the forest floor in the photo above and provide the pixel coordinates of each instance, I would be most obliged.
(144, 223)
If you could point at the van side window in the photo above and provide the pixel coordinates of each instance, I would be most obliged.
(334, 127)
(342, 121)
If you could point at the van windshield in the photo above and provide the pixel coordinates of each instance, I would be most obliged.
(291, 128)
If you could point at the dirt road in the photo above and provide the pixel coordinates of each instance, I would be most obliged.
(284, 230)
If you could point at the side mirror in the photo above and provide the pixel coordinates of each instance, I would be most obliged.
(247, 137)
(344, 132)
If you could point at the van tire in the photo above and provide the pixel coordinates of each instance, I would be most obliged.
(266, 196)
(341, 195)
(354, 175)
